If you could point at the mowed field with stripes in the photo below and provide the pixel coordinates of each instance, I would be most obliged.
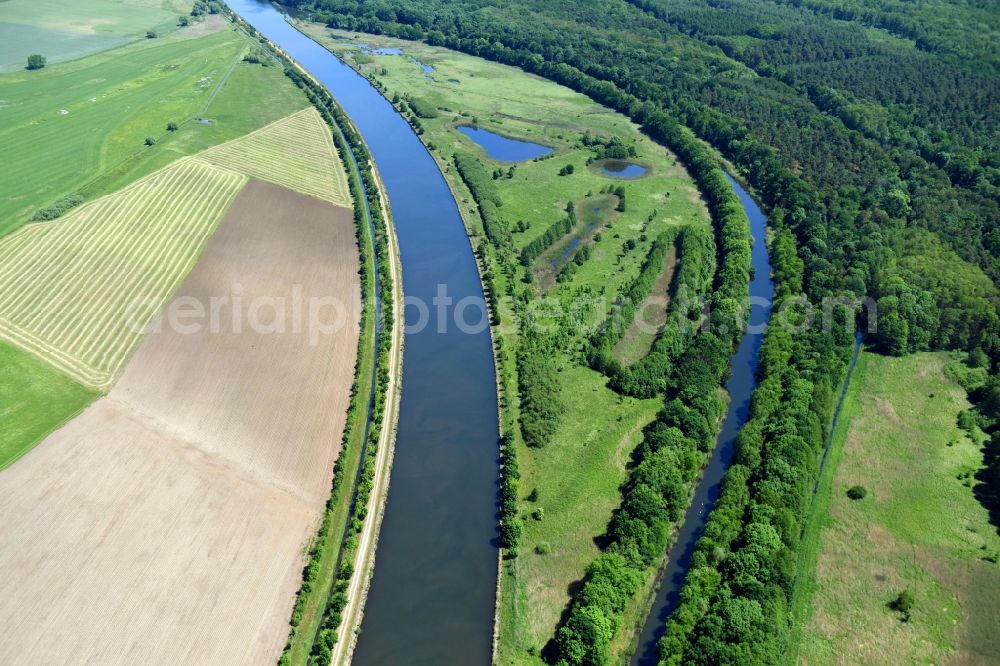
(78, 291)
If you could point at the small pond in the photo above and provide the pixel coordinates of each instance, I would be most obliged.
(504, 149)
(368, 49)
(623, 169)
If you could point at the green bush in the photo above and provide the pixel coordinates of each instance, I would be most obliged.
(58, 208)
(422, 107)
(903, 604)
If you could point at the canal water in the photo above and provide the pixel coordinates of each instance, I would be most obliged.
(740, 386)
(433, 593)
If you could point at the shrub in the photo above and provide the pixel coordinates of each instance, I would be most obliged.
(58, 208)
(36, 61)
(423, 108)
(967, 421)
(150, 141)
(171, 127)
(150, 34)
(538, 388)
(903, 604)
(510, 533)
(543, 548)
(856, 492)
(556, 231)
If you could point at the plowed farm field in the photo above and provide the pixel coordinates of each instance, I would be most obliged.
(168, 523)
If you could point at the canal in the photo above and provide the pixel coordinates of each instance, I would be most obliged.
(433, 593)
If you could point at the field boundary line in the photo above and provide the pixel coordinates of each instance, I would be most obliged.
(88, 360)
(225, 77)
(96, 363)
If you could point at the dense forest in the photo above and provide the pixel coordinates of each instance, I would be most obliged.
(870, 134)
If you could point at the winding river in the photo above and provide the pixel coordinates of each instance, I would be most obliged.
(433, 593)
(740, 386)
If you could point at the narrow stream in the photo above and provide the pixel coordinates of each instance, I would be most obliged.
(740, 386)
(433, 593)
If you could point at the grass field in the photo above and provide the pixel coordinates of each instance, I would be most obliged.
(577, 478)
(641, 333)
(78, 290)
(70, 287)
(508, 101)
(182, 495)
(80, 127)
(37, 400)
(65, 30)
(577, 475)
(287, 153)
(919, 528)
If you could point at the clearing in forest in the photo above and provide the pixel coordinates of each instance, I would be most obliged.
(918, 528)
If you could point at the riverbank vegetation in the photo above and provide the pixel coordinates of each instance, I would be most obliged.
(568, 437)
(875, 188)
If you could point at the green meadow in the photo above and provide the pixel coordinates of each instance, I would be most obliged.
(577, 475)
(35, 399)
(61, 30)
(919, 528)
(80, 127)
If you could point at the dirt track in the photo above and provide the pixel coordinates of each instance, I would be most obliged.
(364, 555)
(167, 524)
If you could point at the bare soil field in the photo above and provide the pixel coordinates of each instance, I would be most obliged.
(168, 523)
(239, 393)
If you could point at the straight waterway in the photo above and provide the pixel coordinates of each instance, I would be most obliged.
(433, 593)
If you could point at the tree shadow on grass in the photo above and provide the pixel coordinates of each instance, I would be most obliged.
(987, 488)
